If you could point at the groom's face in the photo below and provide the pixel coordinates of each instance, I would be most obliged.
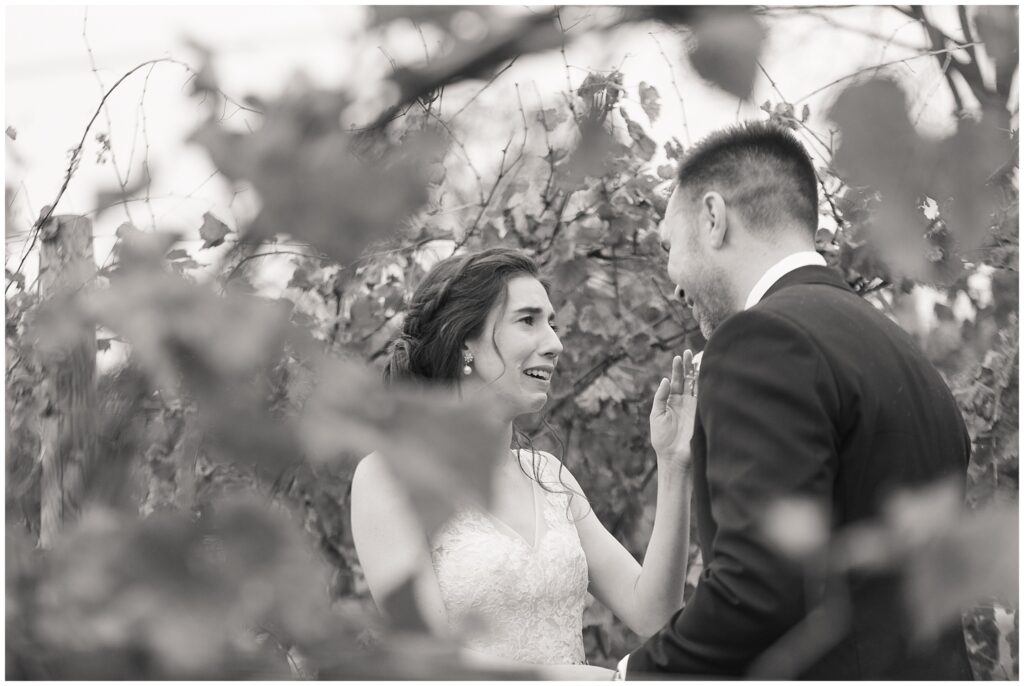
(692, 265)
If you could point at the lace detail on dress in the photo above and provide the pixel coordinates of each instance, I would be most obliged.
(529, 600)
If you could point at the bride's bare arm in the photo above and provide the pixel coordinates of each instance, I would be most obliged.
(645, 597)
(390, 541)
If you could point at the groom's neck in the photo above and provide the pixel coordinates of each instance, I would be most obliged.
(758, 256)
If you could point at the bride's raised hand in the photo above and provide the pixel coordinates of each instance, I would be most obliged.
(672, 415)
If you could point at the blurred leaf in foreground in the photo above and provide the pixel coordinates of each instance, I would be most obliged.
(797, 526)
(999, 30)
(438, 446)
(312, 181)
(726, 45)
(951, 558)
(142, 248)
(216, 351)
(163, 316)
(166, 597)
(881, 150)
(954, 559)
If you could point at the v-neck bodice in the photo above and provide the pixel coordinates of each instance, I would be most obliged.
(530, 598)
(539, 526)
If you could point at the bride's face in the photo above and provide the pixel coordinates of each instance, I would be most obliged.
(516, 354)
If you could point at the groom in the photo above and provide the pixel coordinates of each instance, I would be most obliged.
(805, 391)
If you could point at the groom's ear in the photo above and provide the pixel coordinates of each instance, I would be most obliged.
(716, 219)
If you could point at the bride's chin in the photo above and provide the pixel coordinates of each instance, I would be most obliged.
(534, 403)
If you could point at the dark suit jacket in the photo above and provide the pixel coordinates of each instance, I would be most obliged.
(811, 392)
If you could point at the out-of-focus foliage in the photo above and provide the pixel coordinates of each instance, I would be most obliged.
(214, 540)
(881, 152)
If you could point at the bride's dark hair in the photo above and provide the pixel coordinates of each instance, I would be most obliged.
(449, 307)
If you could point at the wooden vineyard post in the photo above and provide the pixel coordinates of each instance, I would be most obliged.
(67, 353)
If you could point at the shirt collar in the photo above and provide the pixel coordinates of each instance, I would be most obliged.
(778, 270)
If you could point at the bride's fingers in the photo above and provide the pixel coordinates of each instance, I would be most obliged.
(660, 397)
(677, 375)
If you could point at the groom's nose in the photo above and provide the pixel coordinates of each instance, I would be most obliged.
(680, 293)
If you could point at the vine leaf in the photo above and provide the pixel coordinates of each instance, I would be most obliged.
(880, 150)
(650, 101)
(300, 280)
(725, 49)
(645, 145)
(313, 179)
(136, 247)
(955, 559)
(674, 149)
(213, 231)
(603, 388)
(552, 117)
(998, 29)
(433, 442)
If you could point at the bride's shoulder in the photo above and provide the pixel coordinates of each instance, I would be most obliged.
(373, 475)
(371, 464)
(377, 494)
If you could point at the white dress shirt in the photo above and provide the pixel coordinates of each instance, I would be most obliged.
(775, 272)
(784, 266)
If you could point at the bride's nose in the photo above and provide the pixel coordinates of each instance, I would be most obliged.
(551, 345)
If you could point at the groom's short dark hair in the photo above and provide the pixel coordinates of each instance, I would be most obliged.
(759, 168)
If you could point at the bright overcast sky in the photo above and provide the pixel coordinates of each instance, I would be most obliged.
(51, 91)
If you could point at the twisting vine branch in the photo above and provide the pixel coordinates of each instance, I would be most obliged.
(550, 156)
(679, 94)
(502, 172)
(932, 53)
(969, 69)
(76, 154)
(483, 88)
(121, 181)
(462, 148)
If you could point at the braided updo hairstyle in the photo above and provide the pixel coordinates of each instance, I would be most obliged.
(449, 307)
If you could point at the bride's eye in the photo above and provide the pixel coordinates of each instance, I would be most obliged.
(527, 320)
(554, 327)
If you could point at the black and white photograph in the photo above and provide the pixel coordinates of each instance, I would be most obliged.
(512, 342)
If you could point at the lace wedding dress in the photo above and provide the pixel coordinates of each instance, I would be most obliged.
(509, 597)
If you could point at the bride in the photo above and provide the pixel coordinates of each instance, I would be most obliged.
(510, 581)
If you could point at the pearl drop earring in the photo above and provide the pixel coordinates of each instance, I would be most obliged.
(468, 357)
